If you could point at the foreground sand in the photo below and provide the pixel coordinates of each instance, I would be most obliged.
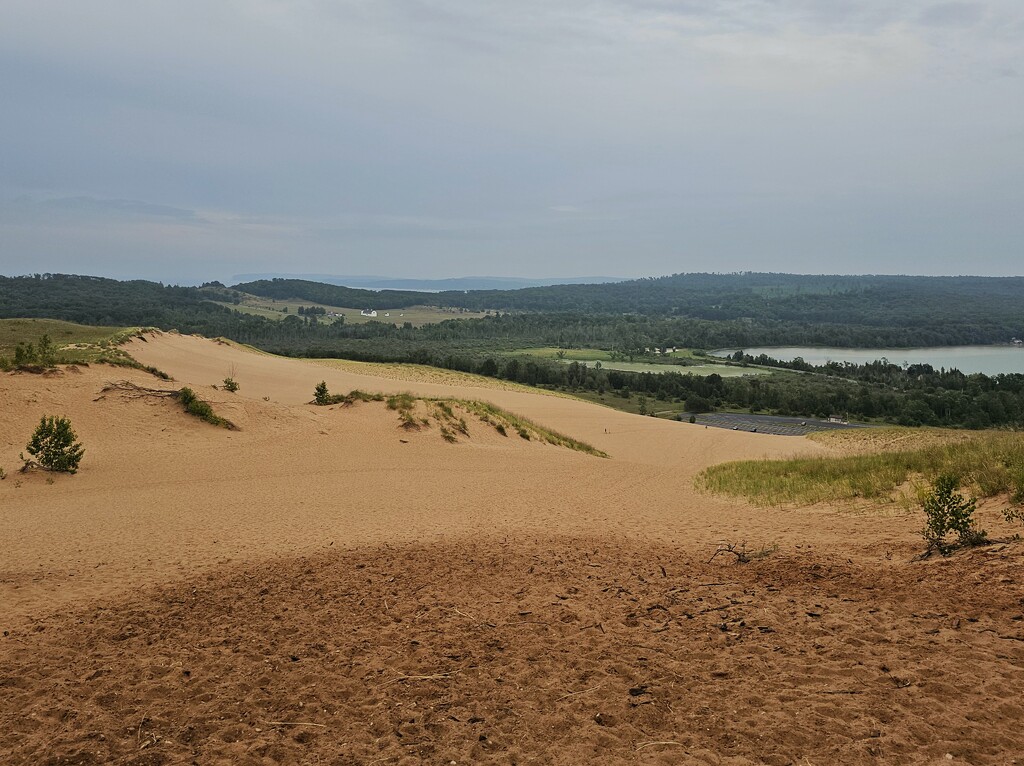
(321, 586)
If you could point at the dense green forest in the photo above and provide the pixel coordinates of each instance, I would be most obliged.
(896, 309)
(878, 391)
(929, 313)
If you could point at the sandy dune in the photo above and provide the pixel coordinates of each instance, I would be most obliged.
(181, 546)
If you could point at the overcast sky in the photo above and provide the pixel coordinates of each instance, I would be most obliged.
(194, 140)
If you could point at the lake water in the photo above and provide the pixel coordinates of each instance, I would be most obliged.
(990, 360)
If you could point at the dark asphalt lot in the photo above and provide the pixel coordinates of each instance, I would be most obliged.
(769, 424)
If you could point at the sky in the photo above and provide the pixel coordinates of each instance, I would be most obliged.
(193, 140)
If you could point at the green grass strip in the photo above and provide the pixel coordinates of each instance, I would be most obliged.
(991, 464)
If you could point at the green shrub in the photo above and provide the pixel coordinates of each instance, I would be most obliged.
(200, 409)
(230, 384)
(54, 447)
(948, 512)
(186, 396)
(320, 394)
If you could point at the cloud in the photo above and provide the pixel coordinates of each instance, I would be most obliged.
(434, 133)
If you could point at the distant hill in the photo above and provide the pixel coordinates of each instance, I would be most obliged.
(428, 285)
(909, 302)
(694, 310)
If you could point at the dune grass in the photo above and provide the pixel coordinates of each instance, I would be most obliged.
(450, 414)
(986, 463)
(61, 334)
(525, 427)
(69, 343)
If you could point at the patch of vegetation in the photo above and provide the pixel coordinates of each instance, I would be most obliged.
(947, 512)
(230, 384)
(201, 409)
(361, 396)
(34, 345)
(54, 446)
(990, 462)
(401, 402)
(502, 419)
(448, 413)
(321, 395)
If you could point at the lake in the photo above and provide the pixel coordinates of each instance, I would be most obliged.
(990, 360)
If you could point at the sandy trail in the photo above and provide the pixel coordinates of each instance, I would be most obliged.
(418, 601)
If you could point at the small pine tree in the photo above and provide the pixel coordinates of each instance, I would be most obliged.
(320, 394)
(46, 351)
(230, 384)
(946, 511)
(53, 445)
(25, 353)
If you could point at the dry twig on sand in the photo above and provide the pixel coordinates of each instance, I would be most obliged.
(739, 550)
(584, 691)
(642, 745)
(431, 677)
(295, 723)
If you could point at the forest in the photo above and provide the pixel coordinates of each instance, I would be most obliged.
(928, 310)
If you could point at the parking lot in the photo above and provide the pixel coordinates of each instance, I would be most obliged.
(769, 424)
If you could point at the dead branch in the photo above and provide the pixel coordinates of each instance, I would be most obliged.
(655, 744)
(133, 391)
(739, 550)
(295, 723)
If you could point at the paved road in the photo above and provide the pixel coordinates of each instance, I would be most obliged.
(769, 424)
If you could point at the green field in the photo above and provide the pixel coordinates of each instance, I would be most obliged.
(612, 361)
(416, 315)
(86, 342)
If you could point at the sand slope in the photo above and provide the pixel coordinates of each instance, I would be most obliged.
(493, 600)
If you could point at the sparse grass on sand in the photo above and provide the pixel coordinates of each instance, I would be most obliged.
(883, 464)
(72, 343)
(450, 415)
(70, 339)
(420, 373)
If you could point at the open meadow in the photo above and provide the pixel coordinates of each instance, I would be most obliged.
(345, 584)
(415, 315)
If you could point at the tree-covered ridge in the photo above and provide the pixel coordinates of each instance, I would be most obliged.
(334, 295)
(942, 310)
(101, 301)
(930, 312)
(871, 300)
